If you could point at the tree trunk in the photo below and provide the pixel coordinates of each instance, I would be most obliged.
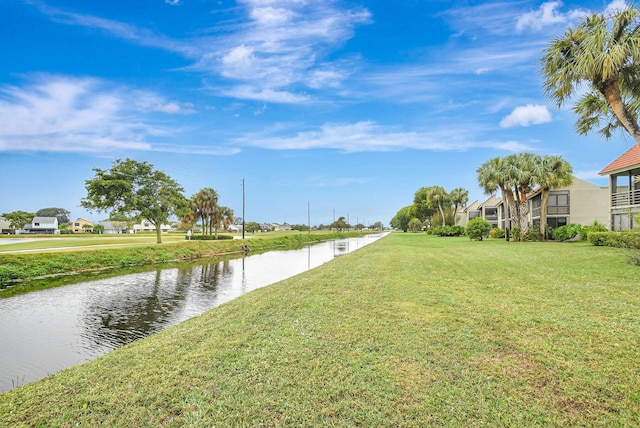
(444, 223)
(158, 233)
(614, 98)
(543, 213)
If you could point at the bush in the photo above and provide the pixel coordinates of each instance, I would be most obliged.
(593, 227)
(615, 239)
(448, 230)
(568, 231)
(478, 228)
(496, 233)
(209, 237)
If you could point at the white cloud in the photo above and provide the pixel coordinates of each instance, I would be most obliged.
(63, 114)
(172, 2)
(547, 14)
(616, 6)
(372, 137)
(526, 115)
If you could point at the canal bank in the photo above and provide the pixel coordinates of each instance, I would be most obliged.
(46, 331)
(19, 273)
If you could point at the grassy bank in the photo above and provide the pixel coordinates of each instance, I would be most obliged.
(408, 331)
(69, 258)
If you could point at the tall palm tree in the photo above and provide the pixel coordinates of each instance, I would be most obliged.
(459, 197)
(202, 205)
(521, 176)
(552, 172)
(438, 196)
(492, 176)
(603, 54)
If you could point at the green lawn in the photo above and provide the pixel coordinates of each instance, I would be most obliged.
(411, 330)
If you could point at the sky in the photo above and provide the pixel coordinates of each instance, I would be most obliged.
(323, 109)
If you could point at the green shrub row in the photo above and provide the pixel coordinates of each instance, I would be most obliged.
(208, 237)
(615, 239)
(448, 230)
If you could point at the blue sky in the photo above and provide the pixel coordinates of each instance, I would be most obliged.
(333, 108)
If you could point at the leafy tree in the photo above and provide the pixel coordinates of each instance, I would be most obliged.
(478, 228)
(423, 207)
(415, 225)
(552, 172)
(602, 55)
(60, 213)
(340, 224)
(136, 188)
(98, 228)
(251, 226)
(401, 219)
(377, 225)
(17, 219)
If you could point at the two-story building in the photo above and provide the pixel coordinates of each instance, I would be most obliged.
(579, 203)
(81, 225)
(624, 190)
(43, 225)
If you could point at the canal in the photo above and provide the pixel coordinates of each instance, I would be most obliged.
(46, 331)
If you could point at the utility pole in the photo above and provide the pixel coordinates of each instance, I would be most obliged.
(243, 217)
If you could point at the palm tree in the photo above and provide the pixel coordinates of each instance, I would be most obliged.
(494, 175)
(521, 177)
(459, 197)
(552, 172)
(438, 196)
(602, 53)
(202, 205)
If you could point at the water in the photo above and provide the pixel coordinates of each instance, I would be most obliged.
(46, 331)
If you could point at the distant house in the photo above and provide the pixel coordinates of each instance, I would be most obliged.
(624, 189)
(42, 225)
(111, 228)
(81, 226)
(5, 226)
(146, 226)
(487, 210)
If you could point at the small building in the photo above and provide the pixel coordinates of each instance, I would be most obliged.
(113, 228)
(624, 189)
(81, 225)
(146, 226)
(5, 226)
(42, 225)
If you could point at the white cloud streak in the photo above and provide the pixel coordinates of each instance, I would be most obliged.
(369, 136)
(62, 114)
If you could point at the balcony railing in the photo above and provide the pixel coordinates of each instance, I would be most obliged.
(551, 210)
(625, 199)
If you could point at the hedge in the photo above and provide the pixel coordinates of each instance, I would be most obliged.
(615, 239)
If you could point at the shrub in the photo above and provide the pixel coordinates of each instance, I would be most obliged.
(209, 237)
(615, 239)
(478, 228)
(568, 231)
(496, 233)
(448, 230)
(593, 227)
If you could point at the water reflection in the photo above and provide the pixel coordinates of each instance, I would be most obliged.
(45, 331)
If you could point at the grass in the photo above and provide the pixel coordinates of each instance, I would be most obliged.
(408, 331)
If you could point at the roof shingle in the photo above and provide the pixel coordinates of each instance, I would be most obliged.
(628, 159)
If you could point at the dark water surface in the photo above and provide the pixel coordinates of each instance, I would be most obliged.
(43, 332)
